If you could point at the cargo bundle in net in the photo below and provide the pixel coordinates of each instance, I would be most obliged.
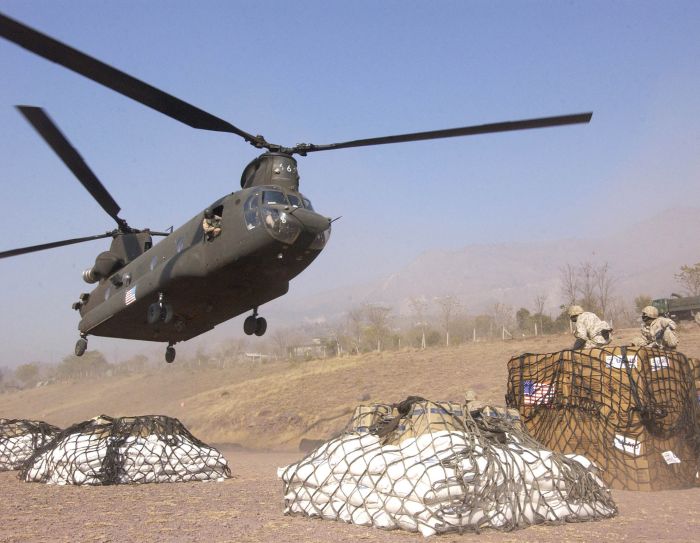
(19, 439)
(106, 450)
(434, 467)
(631, 411)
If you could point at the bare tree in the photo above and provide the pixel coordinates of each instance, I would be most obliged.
(419, 306)
(355, 320)
(503, 316)
(641, 301)
(448, 306)
(604, 284)
(377, 323)
(540, 300)
(689, 278)
(587, 286)
(569, 283)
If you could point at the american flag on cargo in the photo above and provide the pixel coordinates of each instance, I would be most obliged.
(537, 393)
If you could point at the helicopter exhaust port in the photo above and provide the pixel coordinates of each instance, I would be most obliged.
(89, 276)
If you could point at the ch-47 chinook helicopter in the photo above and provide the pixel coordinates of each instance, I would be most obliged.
(192, 280)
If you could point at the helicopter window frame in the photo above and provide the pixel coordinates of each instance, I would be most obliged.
(278, 193)
(295, 201)
(307, 203)
(251, 211)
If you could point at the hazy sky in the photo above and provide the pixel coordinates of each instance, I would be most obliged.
(325, 72)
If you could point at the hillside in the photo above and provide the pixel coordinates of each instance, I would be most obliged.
(274, 405)
(514, 273)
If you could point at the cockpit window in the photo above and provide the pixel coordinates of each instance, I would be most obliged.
(251, 211)
(307, 204)
(274, 197)
(295, 201)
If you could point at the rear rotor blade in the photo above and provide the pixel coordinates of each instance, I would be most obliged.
(507, 126)
(121, 82)
(41, 122)
(44, 246)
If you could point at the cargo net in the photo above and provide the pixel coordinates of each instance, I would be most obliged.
(19, 439)
(106, 451)
(632, 411)
(431, 467)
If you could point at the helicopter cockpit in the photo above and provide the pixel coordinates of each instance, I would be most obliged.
(285, 215)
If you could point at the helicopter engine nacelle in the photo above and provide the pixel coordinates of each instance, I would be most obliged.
(105, 264)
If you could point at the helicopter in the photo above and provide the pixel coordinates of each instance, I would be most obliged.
(228, 259)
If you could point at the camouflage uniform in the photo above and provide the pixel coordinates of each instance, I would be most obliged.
(591, 331)
(661, 333)
(211, 226)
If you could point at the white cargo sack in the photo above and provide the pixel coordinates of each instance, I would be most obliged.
(105, 450)
(470, 473)
(19, 439)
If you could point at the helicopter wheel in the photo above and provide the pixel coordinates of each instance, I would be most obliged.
(80, 346)
(153, 314)
(166, 313)
(260, 326)
(159, 313)
(169, 354)
(250, 325)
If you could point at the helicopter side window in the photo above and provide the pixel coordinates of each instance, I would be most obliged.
(251, 211)
(211, 223)
(274, 197)
(307, 204)
(295, 201)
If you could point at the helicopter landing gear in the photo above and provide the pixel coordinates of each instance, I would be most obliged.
(169, 353)
(160, 311)
(81, 346)
(254, 324)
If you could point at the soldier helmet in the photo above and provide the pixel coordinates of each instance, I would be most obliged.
(575, 310)
(650, 312)
(208, 214)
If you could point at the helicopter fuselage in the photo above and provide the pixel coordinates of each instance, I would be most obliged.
(268, 236)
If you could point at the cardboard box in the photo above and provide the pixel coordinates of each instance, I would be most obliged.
(631, 411)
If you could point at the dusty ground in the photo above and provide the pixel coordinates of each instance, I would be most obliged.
(248, 508)
(270, 408)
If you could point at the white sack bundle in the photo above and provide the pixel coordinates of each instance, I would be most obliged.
(482, 474)
(148, 449)
(19, 439)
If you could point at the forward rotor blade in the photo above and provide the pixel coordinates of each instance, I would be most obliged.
(507, 126)
(41, 122)
(44, 246)
(110, 77)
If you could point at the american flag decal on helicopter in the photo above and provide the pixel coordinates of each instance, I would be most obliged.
(130, 296)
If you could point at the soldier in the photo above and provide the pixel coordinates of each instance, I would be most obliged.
(657, 331)
(211, 224)
(589, 330)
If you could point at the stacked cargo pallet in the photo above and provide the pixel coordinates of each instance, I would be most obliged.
(632, 411)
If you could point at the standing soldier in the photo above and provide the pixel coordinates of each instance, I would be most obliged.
(589, 330)
(657, 331)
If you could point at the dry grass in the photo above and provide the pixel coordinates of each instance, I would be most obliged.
(273, 405)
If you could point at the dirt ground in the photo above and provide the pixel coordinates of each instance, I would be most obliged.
(268, 409)
(248, 508)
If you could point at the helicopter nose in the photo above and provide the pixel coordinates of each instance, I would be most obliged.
(311, 221)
